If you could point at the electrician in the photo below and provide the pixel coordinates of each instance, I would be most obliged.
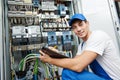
(96, 50)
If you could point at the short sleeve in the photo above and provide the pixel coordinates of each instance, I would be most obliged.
(97, 42)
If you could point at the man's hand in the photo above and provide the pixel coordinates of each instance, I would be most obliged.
(46, 58)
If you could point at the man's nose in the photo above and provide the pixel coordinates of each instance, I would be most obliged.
(78, 28)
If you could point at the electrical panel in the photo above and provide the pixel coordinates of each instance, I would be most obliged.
(32, 25)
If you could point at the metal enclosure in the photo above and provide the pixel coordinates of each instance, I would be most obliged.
(4, 56)
(18, 39)
(1, 42)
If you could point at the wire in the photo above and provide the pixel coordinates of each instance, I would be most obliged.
(35, 67)
(24, 60)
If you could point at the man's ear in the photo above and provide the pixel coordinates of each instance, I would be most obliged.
(87, 22)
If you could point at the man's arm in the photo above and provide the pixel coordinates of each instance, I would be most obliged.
(76, 64)
(117, 0)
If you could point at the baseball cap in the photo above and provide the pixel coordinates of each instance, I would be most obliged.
(77, 16)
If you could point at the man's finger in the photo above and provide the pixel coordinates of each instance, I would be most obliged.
(42, 53)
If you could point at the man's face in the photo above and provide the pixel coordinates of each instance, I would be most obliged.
(81, 29)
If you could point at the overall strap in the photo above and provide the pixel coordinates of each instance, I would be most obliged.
(98, 70)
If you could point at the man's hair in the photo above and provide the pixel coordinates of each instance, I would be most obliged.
(75, 20)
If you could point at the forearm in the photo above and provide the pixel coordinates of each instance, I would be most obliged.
(76, 64)
(60, 62)
(66, 63)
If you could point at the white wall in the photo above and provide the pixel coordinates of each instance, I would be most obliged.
(100, 17)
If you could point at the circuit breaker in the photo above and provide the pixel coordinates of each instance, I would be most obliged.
(34, 34)
(52, 39)
(67, 40)
(62, 10)
(18, 35)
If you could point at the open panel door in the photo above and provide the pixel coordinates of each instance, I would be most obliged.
(102, 15)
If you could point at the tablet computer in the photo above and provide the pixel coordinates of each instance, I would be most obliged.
(52, 53)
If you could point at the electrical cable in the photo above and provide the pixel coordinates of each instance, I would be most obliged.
(35, 70)
(23, 61)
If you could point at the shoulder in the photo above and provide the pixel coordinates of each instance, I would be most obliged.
(100, 33)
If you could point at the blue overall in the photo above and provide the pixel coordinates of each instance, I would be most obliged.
(99, 73)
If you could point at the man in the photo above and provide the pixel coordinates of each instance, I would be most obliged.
(96, 50)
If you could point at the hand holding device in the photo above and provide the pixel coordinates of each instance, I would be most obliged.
(52, 53)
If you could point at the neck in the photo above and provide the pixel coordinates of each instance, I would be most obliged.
(87, 36)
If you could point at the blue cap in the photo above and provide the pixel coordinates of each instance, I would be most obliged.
(77, 16)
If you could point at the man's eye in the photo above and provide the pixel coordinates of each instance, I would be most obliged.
(73, 27)
(80, 24)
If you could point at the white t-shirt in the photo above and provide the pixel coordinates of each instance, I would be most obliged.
(108, 58)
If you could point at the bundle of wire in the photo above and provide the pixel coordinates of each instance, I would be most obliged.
(26, 59)
(30, 57)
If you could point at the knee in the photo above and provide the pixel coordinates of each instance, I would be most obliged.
(66, 71)
(66, 74)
